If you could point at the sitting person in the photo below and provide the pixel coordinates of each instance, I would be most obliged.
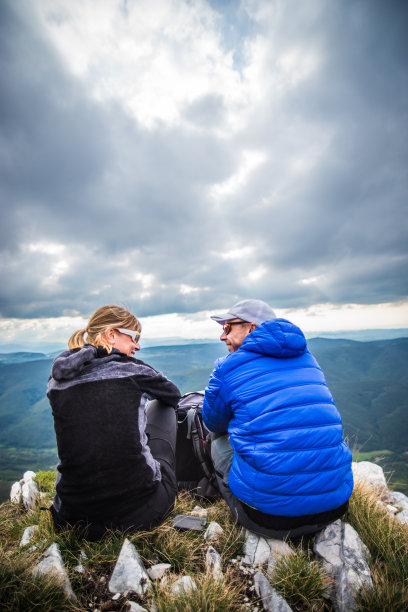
(116, 452)
(283, 468)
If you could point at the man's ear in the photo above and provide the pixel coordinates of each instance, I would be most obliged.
(252, 327)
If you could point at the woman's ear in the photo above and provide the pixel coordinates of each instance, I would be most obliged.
(109, 336)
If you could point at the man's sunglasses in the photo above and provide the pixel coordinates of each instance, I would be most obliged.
(227, 326)
(135, 335)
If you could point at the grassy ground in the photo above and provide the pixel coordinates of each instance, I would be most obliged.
(299, 577)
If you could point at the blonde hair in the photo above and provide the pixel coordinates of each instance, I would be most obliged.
(102, 319)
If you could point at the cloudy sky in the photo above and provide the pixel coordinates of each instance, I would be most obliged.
(175, 156)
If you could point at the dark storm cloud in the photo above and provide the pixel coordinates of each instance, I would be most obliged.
(97, 209)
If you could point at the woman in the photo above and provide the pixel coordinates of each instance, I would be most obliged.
(117, 455)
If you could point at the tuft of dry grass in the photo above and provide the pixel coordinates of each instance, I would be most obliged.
(387, 541)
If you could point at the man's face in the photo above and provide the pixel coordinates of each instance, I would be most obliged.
(237, 333)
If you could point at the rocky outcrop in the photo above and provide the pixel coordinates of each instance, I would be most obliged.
(338, 548)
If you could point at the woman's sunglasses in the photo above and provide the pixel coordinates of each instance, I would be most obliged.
(135, 335)
(227, 326)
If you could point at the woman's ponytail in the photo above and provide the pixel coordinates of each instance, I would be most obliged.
(77, 340)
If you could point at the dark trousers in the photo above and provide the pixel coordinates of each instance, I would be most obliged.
(161, 430)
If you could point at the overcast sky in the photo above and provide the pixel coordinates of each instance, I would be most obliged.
(175, 156)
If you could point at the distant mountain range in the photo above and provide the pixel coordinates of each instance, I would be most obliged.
(369, 381)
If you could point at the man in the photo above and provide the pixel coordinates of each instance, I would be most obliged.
(283, 468)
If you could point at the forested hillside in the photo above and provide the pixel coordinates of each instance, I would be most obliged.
(369, 381)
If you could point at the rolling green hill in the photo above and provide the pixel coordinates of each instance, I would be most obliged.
(369, 382)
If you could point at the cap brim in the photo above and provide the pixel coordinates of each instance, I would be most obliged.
(222, 317)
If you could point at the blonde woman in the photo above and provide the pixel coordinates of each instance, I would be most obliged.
(116, 452)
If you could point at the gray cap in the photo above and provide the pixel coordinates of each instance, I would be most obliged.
(253, 311)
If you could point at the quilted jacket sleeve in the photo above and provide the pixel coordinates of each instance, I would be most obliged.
(217, 411)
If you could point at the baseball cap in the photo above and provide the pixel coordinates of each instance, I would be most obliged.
(253, 311)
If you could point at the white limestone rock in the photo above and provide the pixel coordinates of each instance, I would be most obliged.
(278, 548)
(53, 564)
(129, 573)
(213, 562)
(28, 535)
(185, 584)
(400, 501)
(344, 557)
(29, 493)
(29, 475)
(213, 531)
(258, 550)
(156, 572)
(369, 472)
(15, 493)
(199, 511)
(132, 606)
(272, 601)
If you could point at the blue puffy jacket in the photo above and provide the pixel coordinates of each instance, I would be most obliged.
(290, 458)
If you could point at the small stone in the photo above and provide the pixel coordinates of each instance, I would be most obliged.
(132, 606)
(28, 535)
(185, 584)
(117, 596)
(213, 562)
(213, 531)
(79, 568)
(199, 511)
(156, 572)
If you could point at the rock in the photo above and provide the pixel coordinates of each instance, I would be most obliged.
(185, 584)
(29, 475)
(29, 493)
(129, 573)
(213, 531)
(272, 601)
(52, 563)
(156, 572)
(15, 493)
(199, 511)
(278, 549)
(79, 568)
(213, 562)
(28, 535)
(401, 502)
(369, 472)
(134, 607)
(116, 597)
(258, 550)
(344, 559)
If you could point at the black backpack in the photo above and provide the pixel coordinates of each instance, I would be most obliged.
(194, 468)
